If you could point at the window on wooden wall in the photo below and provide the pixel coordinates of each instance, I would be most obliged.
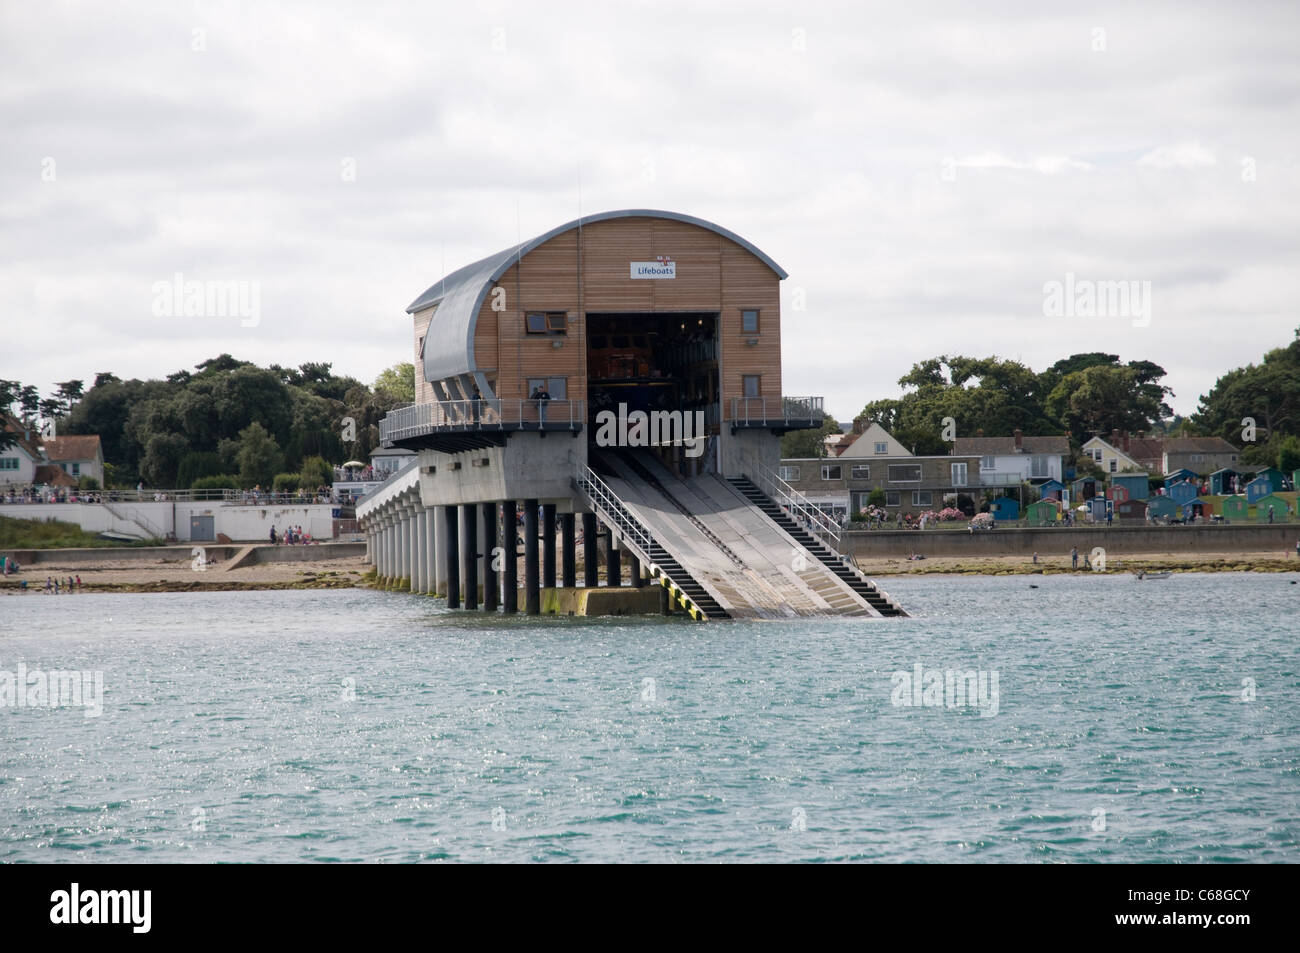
(557, 387)
(749, 321)
(751, 383)
(547, 322)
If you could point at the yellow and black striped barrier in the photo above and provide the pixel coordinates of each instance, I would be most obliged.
(675, 593)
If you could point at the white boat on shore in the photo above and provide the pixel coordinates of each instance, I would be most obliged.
(1146, 576)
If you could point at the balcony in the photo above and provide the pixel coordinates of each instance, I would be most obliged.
(455, 425)
(777, 413)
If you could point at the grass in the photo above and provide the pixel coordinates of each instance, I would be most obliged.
(54, 534)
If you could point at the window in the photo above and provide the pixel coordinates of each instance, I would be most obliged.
(8, 463)
(76, 469)
(891, 497)
(1038, 467)
(922, 498)
(1114, 466)
(751, 384)
(547, 322)
(555, 386)
(860, 473)
(789, 473)
(988, 463)
(859, 501)
(959, 474)
(419, 350)
(832, 471)
(882, 447)
(905, 473)
(749, 321)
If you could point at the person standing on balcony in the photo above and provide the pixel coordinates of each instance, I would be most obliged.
(541, 396)
(474, 405)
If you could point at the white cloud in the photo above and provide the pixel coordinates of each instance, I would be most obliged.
(1183, 155)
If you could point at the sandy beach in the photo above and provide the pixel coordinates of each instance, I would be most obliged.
(181, 575)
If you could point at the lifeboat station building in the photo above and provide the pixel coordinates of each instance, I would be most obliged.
(616, 380)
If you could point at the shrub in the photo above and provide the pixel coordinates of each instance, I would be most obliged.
(315, 472)
(87, 482)
(285, 482)
(223, 481)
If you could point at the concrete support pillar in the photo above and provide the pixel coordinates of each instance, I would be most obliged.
(613, 565)
(383, 548)
(510, 583)
(469, 554)
(413, 533)
(568, 554)
(490, 544)
(420, 582)
(439, 550)
(370, 549)
(548, 545)
(532, 591)
(404, 544)
(634, 570)
(590, 554)
(426, 515)
(451, 555)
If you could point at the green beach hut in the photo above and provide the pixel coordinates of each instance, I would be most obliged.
(1278, 504)
(1042, 513)
(1235, 508)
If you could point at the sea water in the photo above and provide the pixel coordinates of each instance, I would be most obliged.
(1134, 721)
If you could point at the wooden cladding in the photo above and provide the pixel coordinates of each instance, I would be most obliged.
(587, 271)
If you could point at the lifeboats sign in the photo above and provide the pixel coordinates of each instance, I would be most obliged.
(661, 267)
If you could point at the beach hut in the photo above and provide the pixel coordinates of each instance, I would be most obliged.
(1235, 508)
(1295, 480)
(1182, 492)
(1162, 507)
(1221, 481)
(1178, 476)
(1097, 508)
(1278, 505)
(1260, 487)
(1131, 511)
(1005, 508)
(1195, 507)
(1051, 490)
(1083, 489)
(1043, 512)
(1273, 477)
(1135, 486)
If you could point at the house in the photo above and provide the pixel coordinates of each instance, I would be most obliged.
(1007, 461)
(869, 439)
(78, 456)
(1274, 506)
(842, 485)
(1122, 453)
(18, 463)
(1224, 481)
(1199, 454)
(1134, 485)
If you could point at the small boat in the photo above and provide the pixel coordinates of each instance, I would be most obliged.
(1144, 576)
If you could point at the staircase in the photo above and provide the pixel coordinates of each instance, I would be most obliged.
(636, 537)
(147, 530)
(876, 597)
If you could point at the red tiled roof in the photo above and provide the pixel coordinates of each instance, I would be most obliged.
(82, 447)
(53, 475)
(14, 425)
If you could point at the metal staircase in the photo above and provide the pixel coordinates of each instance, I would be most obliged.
(636, 537)
(880, 600)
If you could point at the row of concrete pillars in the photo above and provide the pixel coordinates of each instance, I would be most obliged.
(459, 552)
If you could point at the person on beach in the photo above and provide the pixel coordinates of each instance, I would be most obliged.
(1270, 514)
(272, 535)
(49, 584)
(78, 582)
(1035, 559)
(1074, 557)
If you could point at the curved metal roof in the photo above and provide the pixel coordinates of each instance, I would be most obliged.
(449, 344)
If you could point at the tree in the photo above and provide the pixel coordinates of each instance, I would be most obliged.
(315, 472)
(399, 382)
(807, 444)
(259, 456)
(69, 393)
(1268, 394)
(1288, 454)
(1107, 397)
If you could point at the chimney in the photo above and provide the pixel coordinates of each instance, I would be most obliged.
(859, 425)
(1126, 441)
(1019, 439)
(1114, 438)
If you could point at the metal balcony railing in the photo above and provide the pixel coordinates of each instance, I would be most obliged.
(801, 509)
(461, 416)
(775, 411)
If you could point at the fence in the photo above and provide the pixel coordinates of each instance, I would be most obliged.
(415, 420)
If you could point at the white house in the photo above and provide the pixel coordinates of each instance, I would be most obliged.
(1006, 461)
(77, 456)
(873, 441)
(18, 463)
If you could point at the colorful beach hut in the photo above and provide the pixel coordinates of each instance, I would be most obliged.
(1259, 488)
(1272, 476)
(1135, 485)
(1183, 492)
(1097, 508)
(1083, 489)
(1162, 507)
(1236, 508)
(1043, 512)
(1005, 508)
(1178, 476)
(1131, 511)
(1051, 490)
(1265, 503)
(1221, 481)
(1195, 507)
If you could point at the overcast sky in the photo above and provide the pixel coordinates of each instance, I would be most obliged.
(920, 170)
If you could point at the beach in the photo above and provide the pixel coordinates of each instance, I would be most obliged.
(174, 575)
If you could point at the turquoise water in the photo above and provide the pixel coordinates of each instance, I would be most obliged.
(363, 726)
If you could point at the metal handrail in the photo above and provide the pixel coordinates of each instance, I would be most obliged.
(599, 493)
(493, 414)
(745, 410)
(800, 508)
